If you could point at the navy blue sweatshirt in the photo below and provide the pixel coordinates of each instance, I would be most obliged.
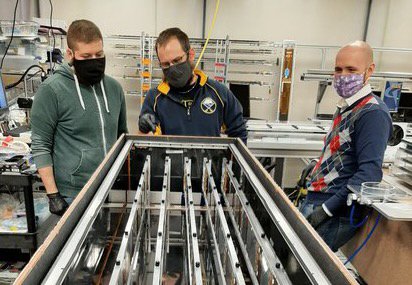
(206, 110)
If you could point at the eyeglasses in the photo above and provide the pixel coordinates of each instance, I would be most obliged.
(177, 60)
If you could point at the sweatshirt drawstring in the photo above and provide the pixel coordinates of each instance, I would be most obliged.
(81, 97)
(78, 91)
(104, 97)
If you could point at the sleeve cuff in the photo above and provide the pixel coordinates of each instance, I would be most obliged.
(43, 160)
(327, 210)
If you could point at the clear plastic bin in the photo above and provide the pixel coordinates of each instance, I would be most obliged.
(375, 191)
(26, 29)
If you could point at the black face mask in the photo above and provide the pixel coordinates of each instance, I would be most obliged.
(90, 71)
(179, 75)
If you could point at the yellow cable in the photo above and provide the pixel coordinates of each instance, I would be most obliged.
(208, 35)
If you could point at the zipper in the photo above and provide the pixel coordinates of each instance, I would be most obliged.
(101, 121)
(189, 106)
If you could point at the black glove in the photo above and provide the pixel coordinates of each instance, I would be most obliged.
(147, 123)
(317, 217)
(304, 176)
(57, 204)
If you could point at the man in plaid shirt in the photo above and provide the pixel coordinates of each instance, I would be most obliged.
(354, 146)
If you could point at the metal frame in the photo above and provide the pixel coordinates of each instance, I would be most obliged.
(27, 240)
(215, 217)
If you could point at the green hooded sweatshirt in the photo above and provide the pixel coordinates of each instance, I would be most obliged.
(74, 126)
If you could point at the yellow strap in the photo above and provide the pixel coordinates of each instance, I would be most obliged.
(208, 35)
(302, 193)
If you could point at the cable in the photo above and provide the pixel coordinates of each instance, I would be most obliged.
(51, 24)
(293, 192)
(208, 35)
(34, 74)
(352, 212)
(54, 37)
(23, 76)
(12, 35)
(365, 241)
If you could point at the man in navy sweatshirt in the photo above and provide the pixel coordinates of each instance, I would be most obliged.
(187, 102)
(354, 146)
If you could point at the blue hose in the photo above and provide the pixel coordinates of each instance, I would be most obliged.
(366, 239)
(352, 212)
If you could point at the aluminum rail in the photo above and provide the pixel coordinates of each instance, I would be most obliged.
(162, 227)
(377, 49)
(223, 187)
(127, 241)
(227, 238)
(182, 145)
(188, 257)
(220, 274)
(193, 236)
(321, 74)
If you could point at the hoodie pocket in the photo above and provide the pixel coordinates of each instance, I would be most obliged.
(89, 161)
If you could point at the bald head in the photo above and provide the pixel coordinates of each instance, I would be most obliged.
(356, 57)
(361, 47)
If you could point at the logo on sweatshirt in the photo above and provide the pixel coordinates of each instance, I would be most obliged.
(208, 105)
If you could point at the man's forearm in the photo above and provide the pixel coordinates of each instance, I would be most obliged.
(47, 176)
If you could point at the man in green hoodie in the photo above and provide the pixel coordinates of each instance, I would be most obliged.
(78, 114)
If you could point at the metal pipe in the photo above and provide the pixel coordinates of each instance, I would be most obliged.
(204, 19)
(368, 14)
(37, 4)
(202, 64)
